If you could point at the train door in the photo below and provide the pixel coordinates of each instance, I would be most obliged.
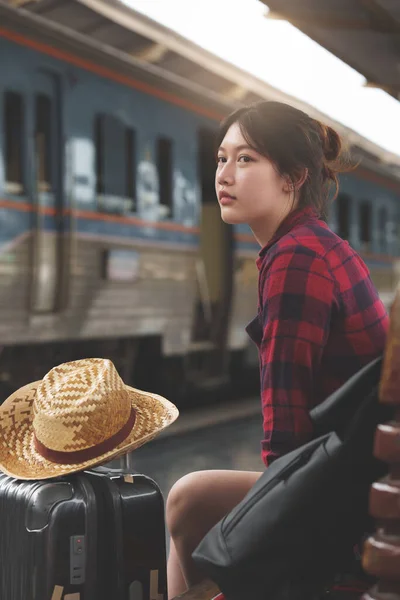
(47, 191)
(214, 264)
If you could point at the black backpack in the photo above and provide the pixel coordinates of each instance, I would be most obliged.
(298, 525)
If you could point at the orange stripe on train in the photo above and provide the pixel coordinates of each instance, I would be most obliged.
(108, 73)
(83, 214)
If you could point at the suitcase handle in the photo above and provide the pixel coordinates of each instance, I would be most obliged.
(123, 465)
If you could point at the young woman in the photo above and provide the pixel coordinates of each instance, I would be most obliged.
(319, 317)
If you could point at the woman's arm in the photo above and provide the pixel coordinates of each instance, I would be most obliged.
(297, 297)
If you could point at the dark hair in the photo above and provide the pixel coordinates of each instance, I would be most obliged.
(294, 141)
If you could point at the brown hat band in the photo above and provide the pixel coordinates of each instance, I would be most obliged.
(78, 456)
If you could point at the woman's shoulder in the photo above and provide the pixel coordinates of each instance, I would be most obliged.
(316, 235)
(316, 250)
(343, 264)
(317, 239)
(293, 261)
(313, 240)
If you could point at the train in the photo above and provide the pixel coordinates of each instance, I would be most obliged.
(111, 243)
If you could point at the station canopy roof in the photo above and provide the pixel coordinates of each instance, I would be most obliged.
(365, 34)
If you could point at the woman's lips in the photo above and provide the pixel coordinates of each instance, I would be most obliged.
(226, 199)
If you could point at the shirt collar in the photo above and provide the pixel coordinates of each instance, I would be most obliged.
(294, 218)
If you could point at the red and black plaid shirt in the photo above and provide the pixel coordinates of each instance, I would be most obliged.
(319, 321)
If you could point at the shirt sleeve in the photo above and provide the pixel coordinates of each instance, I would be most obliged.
(297, 297)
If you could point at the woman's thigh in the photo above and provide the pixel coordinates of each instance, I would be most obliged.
(206, 496)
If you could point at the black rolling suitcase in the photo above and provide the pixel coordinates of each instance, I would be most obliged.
(96, 535)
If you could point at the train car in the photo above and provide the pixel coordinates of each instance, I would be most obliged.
(110, 238)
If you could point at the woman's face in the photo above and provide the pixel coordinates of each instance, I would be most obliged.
(249, 188)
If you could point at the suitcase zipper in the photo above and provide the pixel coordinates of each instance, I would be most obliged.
(115, 499)
(90, 584)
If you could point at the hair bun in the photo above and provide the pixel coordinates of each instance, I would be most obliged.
(331, 143)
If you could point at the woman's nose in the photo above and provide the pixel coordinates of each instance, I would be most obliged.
(224, 176)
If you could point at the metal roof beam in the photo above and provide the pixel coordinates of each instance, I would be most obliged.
(378, 25)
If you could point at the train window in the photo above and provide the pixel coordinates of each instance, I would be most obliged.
(343, 216)
(383, 228)
(115, 163)
(365, 220)
(164, 167)
(43, 142)
(99, 153)
(13, 142)
(130, 173)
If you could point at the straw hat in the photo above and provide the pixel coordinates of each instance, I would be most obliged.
(79, 415)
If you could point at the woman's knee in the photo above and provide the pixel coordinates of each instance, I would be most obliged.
(199, 500)
(183, 503)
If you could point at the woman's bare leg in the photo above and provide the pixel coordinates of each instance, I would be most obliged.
(194, 505)
(175, 578)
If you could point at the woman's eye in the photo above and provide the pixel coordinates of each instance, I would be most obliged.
(245, 158)
(221, 159)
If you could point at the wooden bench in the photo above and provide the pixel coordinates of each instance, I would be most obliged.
(381, 556)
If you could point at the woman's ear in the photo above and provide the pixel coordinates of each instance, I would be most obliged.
(299, 180)
(288, 185)
(302, 179)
